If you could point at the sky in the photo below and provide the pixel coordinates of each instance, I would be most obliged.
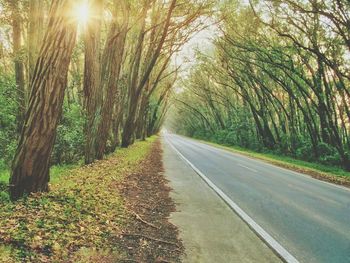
(201, 41)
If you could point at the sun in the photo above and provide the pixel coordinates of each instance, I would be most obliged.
(82, 13)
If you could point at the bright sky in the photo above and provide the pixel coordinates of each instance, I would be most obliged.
(201, 41)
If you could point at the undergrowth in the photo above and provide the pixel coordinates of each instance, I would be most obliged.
(82, 212)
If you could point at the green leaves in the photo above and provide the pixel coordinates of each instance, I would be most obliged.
(69, 145)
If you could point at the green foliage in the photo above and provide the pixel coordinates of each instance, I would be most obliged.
(69, 145)
(78, 219)
(305, 152)
(8, 128)
(4, 196)
(263, 88)
(327, 154)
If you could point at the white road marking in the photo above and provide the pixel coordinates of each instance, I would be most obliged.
(269, 240)
(246, 167)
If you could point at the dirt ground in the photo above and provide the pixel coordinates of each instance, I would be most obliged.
(148, 235)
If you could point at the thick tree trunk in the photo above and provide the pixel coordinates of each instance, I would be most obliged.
(92, 78)
(30, 171)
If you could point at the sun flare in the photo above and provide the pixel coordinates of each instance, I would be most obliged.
(82, 13)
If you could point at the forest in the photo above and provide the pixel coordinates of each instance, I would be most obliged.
(277, 80)
(87, 85)
(80, 78)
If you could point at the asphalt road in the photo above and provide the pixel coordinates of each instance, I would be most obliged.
(309, 218)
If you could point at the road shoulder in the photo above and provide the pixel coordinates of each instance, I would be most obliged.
(210, 230)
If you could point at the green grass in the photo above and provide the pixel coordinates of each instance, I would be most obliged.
(56, 172)
(329, 173)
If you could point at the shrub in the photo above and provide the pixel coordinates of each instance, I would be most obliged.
(69, 145)
(231, 138)
(201, 134)
(305, 152)
(328, 154)
(220, 136)
(8, 126)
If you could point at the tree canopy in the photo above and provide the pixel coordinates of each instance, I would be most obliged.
(276, 79)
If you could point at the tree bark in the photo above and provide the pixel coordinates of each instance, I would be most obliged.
(113, 56)
(30, 170)
(92, 77)
(35, 33)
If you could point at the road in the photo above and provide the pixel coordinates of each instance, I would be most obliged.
(308, 217)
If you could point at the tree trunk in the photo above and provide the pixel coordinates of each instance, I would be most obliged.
(129, 128)
(35, 34)
(18, 59)
(114, 52)
(30, 171)
(92, 78)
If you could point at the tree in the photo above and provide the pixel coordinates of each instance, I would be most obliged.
(32, 159)
(92, 77)
(89, 95)
(16, 20)
(277, 79)
(111, 66)
(35, 33)
(169, 26)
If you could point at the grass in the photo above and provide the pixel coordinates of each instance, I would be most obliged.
(320, 171)
(56, 174)
(78, 219)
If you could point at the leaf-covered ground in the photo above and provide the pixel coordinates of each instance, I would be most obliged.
(87, 213)
(149, 237)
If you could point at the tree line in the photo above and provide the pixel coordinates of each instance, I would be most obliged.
(276, 79)
(74, 89)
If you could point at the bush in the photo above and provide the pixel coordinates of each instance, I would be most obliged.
(328, 154)
(305, 152)
(8, 126)
(231, 138)
(220, 136)
(201, 134)
(69, 145)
